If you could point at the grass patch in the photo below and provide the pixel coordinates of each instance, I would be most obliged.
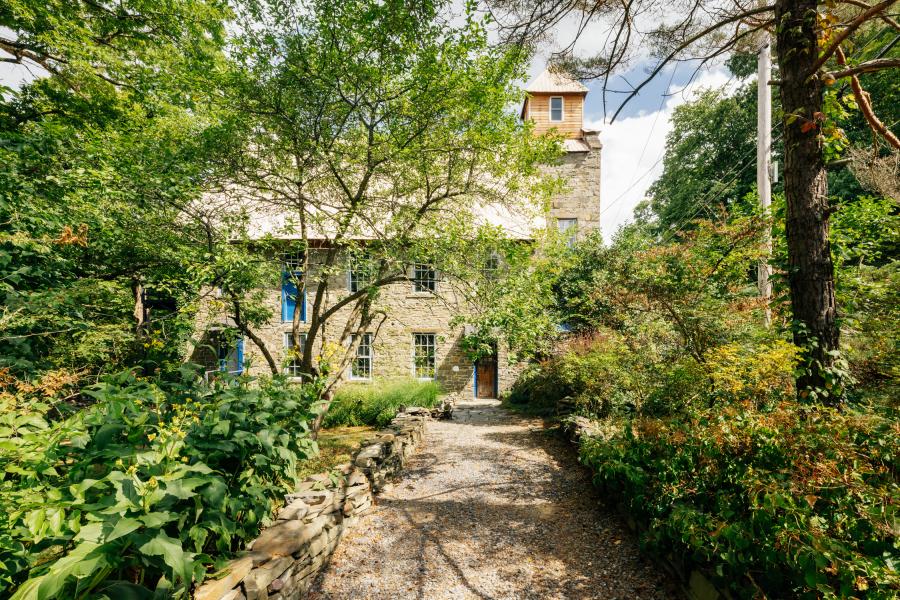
(336, 446)
(377, 403)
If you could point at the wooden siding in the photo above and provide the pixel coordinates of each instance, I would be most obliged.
(538, 110)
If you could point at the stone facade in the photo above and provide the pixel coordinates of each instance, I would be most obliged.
(409, 313)
(284, 560)
(581, 171)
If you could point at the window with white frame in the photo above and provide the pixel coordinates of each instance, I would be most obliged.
(292, 261)
(293, 356)
(360, 274)
(556, 109)
(567, 228)
(361, 367)
(424, 346)
(424, 278)
(491, 266)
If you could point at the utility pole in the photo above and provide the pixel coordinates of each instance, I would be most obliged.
(763, 163)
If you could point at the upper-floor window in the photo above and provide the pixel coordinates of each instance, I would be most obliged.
(291, 284)
(361, 367)
(491, 266)
(424, 350)
(567, 228)
(292, 260)
(556, 109)
(293, 356)
(424, 278)
(360, 273)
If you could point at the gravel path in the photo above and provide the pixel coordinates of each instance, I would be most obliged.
(491, 507)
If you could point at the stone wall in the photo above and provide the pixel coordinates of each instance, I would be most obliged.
(283, 561)
(581, 198)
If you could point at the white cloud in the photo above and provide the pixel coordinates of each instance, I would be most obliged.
(633, 148)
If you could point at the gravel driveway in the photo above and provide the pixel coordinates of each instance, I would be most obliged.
(491, 507)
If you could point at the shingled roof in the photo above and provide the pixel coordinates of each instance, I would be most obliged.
(555, 82)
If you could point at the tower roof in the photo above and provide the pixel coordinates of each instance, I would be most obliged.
(555, 82)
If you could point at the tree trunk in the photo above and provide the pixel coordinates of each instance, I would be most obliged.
(245, 329)
(810, 269)
(326, 399)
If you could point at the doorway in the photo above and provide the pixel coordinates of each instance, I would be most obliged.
(486, 376)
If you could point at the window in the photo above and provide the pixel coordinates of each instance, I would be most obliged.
(292, 357)
(360, 273)
(567, 228)
(423, 355)
(291, 276)
(292, 261)
(231, 357)
(424, 278)
(556, 109)
(361, 368)
(491, 266)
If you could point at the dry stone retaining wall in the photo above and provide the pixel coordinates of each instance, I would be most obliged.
(284, 560)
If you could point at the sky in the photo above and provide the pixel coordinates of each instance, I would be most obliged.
(634, 144)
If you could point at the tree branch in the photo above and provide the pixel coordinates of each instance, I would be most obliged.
(862, 97)
(869, 66)
(845, 33)
(697, 36)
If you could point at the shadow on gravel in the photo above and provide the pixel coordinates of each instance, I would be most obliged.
(494, 507)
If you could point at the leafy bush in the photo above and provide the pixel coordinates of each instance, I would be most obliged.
(378, 403)
(702, 437)
(776, 502)
(139, 489)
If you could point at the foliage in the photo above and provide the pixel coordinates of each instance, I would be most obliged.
(336, 446)
(780, 502)
(140, 488)
(377, 403)
(703, 439)
(517, 305)
(101, 153)
(713, 136)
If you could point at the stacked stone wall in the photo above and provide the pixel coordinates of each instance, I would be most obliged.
(581, 198)
(283, 561)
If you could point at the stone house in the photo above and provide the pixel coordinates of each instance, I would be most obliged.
(418, 338)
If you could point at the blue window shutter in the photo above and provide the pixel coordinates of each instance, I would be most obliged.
(288, 298)
(240, 355)
(303, 308)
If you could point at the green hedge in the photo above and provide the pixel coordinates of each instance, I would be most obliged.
(775, 502)
(377, 403)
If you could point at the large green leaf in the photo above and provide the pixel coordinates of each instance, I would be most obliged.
(83, 561)
(124, 526)
(172, 553)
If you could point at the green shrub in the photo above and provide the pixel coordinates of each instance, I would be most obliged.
(140, 489)
(377, 403)
(769, 502)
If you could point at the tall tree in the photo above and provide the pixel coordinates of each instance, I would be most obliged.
(712, 136)
(97, 155)
(374, 132)
(811, 38)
